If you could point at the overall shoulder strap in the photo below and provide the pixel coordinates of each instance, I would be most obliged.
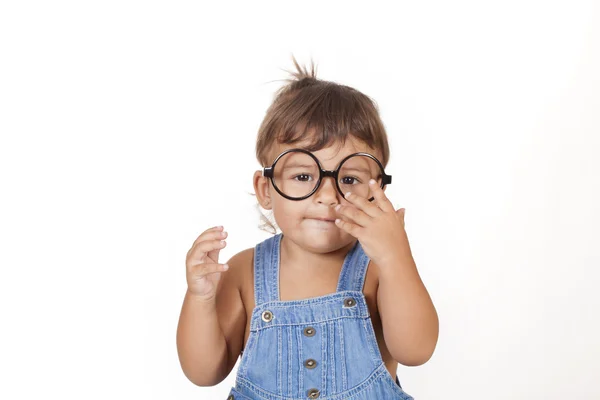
(352, 276)
(266, 265)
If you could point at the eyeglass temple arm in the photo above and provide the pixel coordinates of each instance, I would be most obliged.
(267, 172)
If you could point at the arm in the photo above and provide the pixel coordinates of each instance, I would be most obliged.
(408, 316)
(210, 335)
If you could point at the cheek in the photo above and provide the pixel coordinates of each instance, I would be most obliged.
(288, 210)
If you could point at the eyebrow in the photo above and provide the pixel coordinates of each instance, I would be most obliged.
(358, 169)
(296, 165)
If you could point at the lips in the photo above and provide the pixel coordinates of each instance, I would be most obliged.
(324, 219)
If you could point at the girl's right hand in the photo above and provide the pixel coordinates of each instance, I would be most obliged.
(203, 271)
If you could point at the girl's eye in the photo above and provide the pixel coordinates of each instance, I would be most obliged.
(348, 180)
(303, 177)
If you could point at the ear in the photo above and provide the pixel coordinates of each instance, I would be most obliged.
(262, 190)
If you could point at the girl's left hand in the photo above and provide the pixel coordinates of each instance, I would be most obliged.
(378, 227)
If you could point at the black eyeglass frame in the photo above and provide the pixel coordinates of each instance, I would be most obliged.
(323, 173)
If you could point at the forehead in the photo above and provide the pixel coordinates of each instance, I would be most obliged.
(330, 155)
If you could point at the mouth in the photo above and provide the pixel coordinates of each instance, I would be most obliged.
(324, 219)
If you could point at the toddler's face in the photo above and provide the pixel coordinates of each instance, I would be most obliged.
(298, 220)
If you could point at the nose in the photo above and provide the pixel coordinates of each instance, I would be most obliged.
(327, 192)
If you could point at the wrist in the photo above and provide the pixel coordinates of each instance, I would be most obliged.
(197, 298)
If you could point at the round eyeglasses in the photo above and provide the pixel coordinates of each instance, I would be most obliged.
(296, 174)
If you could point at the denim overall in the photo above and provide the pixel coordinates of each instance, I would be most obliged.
(317, 348)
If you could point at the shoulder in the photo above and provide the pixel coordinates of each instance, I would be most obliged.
(241, 264)
(241, 272)
(243, 257)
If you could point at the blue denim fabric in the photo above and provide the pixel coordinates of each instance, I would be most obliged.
(347, 364)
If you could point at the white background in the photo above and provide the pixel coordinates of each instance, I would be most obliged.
(128, 128)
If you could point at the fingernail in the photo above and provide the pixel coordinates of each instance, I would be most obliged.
(225, 266)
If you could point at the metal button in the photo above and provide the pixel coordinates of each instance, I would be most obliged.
(313, 393)
(349, 302)
(230, 397)
(309, 331)
(310, 363)
(267, 316)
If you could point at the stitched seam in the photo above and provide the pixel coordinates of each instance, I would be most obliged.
(324, 340)
(258, 275)
(279, 366)
(342, 355)
(319, 300)
(300, 371)
(274, 270)
(260, 328)
(332, 352)
(289, 361)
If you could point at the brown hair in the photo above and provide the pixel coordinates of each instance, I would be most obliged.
(325, 111)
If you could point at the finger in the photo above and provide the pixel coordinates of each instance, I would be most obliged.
(200, 270)
(352, 214)
(363, 204)
(350, 227)
(381, 199)
(204, 248)
(208, 233)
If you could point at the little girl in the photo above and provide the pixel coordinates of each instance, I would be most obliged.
(327, 308)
